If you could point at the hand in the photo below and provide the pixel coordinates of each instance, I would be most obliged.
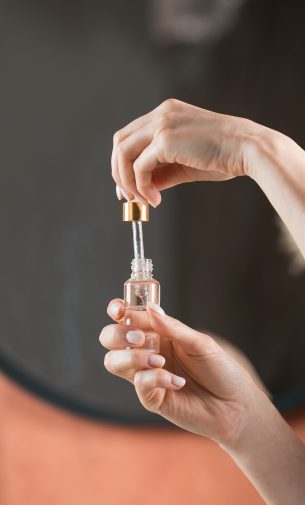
(177, 143)
(202, 389)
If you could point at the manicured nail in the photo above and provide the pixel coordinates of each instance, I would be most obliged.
(116, 359)
(115, 309)
(156, 308)
(125, 195)
(118, 192)
(178, 381)
(140, 199)
(134, 337)
(156, 360)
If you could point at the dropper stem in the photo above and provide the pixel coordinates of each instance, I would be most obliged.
(138, 243)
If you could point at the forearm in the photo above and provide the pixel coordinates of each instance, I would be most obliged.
(277, 164)
(271, 456)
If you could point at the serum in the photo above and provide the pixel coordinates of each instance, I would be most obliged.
(141, 288)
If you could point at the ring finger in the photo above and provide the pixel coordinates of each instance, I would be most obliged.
(125, 363)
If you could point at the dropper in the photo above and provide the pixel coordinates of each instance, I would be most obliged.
(136, 212)
(138, 242)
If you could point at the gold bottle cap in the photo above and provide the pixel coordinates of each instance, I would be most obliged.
(135, 211)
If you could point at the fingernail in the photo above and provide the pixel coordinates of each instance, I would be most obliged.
(155, 202)
(125, 195)
(118, 192)
(116, 359)
(140, 199)
(178, 381)
(115, 309)
(156, 308)
(134, 337)
(155, 360)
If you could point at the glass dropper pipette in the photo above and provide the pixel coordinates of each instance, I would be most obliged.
(138, 242)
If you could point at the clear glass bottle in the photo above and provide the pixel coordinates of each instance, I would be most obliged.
(140, 289)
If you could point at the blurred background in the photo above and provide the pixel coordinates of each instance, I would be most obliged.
(72, 73)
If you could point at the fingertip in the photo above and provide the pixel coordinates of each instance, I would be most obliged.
(177, 381)
(118, 192)
(115, 309)
(155, 196)
(139, 198)
(154, 308)
(158, 199)
(100, 339)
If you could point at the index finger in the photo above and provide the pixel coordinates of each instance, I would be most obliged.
(131, 317)
(116, 309)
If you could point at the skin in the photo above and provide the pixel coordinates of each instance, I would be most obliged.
(194, 382)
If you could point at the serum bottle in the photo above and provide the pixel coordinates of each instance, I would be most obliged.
(141, 288)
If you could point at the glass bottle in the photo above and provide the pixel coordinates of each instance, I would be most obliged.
(140, 289)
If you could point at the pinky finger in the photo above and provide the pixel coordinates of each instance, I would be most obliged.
(151, 386)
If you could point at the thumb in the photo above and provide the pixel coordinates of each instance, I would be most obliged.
(191, 341)
(151, 386)
(168, 175)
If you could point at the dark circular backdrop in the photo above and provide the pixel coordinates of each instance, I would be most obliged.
(72, 74)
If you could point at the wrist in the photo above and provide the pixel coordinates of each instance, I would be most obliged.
(262, 148)
(271, 455)
(259, 414)
(261, 430)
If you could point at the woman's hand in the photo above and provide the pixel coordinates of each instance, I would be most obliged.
(177, 143)
(193, 382)
(203, 390)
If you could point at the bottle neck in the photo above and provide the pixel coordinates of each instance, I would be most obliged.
(141, 269)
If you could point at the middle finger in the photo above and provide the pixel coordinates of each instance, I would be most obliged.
(128, 151)
(127, 360)
(120, 336)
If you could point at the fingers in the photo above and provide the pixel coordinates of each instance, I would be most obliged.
(118, 140)
(138, 319)
(127, 362)
(127, 152)
(143, 166)
(116, 176)
(116, 309)
(151, 386)
(191, 341)
(133, 126)
(140, 147)
(119, 336)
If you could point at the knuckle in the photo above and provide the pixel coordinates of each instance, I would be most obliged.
(207, 345)
(117, 137)
(138, 379)
(137, 166)
(145, 378)
(163, 122)
(132, 359)
(164, 138)
(169, 104)
(160, 377)
(121, 148)
(128, 181)
(167, 119)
